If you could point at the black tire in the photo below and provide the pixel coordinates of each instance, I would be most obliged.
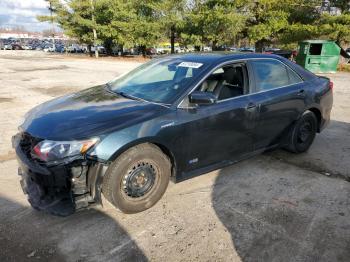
(303, 133)
(137, 179)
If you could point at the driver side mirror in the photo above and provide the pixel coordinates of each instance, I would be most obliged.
(202, 98)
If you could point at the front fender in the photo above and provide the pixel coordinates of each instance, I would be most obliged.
(117, 142)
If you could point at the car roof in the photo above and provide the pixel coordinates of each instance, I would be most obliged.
(215, 58)
(219, 57)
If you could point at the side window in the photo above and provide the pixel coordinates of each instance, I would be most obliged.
(294, 78)
(270, 74)
(225, 82)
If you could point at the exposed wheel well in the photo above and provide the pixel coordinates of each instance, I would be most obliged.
(170, 155)
(163, 148)
(318, 116)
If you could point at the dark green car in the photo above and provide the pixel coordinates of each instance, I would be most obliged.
(171, 118)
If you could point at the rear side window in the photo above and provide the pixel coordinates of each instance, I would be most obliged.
(294, 78)
(270, 74)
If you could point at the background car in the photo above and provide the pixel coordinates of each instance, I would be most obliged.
(348, 51)
(16, 47)
(74, 48)
(247, 50)
(151, 51)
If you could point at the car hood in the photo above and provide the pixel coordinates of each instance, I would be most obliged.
(91, 112)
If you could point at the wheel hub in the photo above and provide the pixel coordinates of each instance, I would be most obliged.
(139, 180)
(305, 132)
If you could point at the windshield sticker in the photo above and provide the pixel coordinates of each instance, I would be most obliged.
(190, 64)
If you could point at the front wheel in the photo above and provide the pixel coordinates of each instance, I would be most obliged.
(137, 179)
(303, 133)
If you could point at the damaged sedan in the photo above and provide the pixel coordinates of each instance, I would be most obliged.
(169, 119)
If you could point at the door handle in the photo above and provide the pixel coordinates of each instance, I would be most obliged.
(301, 92)
(250, 106)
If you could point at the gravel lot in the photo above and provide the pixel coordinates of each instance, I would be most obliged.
(274, 207)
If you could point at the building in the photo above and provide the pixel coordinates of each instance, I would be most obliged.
(18, 34)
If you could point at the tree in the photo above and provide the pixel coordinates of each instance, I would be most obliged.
(302, 15)
(115, 21)
(215, 22)
(267, 18)
(52, 4)
(146, 27)
(75, 18)
(110, 22)
(323, 26)
(171, 14)
(335, 28)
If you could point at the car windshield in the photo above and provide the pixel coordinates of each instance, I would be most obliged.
(159, 81)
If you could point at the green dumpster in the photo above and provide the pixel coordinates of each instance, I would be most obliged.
(318, 56)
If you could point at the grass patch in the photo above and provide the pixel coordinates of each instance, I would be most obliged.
(344, 67)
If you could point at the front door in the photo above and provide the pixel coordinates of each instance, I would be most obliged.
(221, 131)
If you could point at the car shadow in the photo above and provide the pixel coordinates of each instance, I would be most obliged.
(89, 235)
(328, 154)
(278, 210)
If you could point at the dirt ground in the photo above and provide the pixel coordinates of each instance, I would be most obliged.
(274, 207)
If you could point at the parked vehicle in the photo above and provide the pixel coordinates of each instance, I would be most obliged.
(171, 118)
(100, 49)
(27, 47)
(207, 49)
(348, 51)
(17, 47)
(179, 50)
(59, 48)
(151, 51)
(50, 48)
(75, 49)
(271, 50)
(247, 50)
(7, 47)
(276, 51)
(163, 50)
(233, 49)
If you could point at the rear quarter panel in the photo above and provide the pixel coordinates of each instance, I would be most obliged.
(322, 99)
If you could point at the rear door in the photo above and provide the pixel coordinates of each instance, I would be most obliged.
(279, 95)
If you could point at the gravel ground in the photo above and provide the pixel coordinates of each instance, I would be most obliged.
(274, 207)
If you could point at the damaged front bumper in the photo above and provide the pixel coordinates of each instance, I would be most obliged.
(58, 189)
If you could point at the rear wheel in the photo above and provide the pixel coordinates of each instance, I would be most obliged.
(137, 179)
(303, 133)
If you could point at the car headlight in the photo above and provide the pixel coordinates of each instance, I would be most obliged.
(47, 150)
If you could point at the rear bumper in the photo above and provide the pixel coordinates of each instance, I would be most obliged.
(60, 189)
(326, 105)
(324, 123)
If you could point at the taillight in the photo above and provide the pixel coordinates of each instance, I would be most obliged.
(331, 85)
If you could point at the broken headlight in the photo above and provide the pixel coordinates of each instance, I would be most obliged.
(48, 150)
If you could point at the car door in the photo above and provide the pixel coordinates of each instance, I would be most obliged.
(218, 132)
(280, 98)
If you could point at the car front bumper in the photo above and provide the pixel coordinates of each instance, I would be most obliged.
(59, 189)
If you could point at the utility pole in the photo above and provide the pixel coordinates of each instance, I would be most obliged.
(94, 26)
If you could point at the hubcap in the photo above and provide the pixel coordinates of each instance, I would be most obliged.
(139, 180)
(305, 132)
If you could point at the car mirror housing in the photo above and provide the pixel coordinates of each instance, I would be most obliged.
(202, 98)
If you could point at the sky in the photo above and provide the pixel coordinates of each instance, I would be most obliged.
(15, 13)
